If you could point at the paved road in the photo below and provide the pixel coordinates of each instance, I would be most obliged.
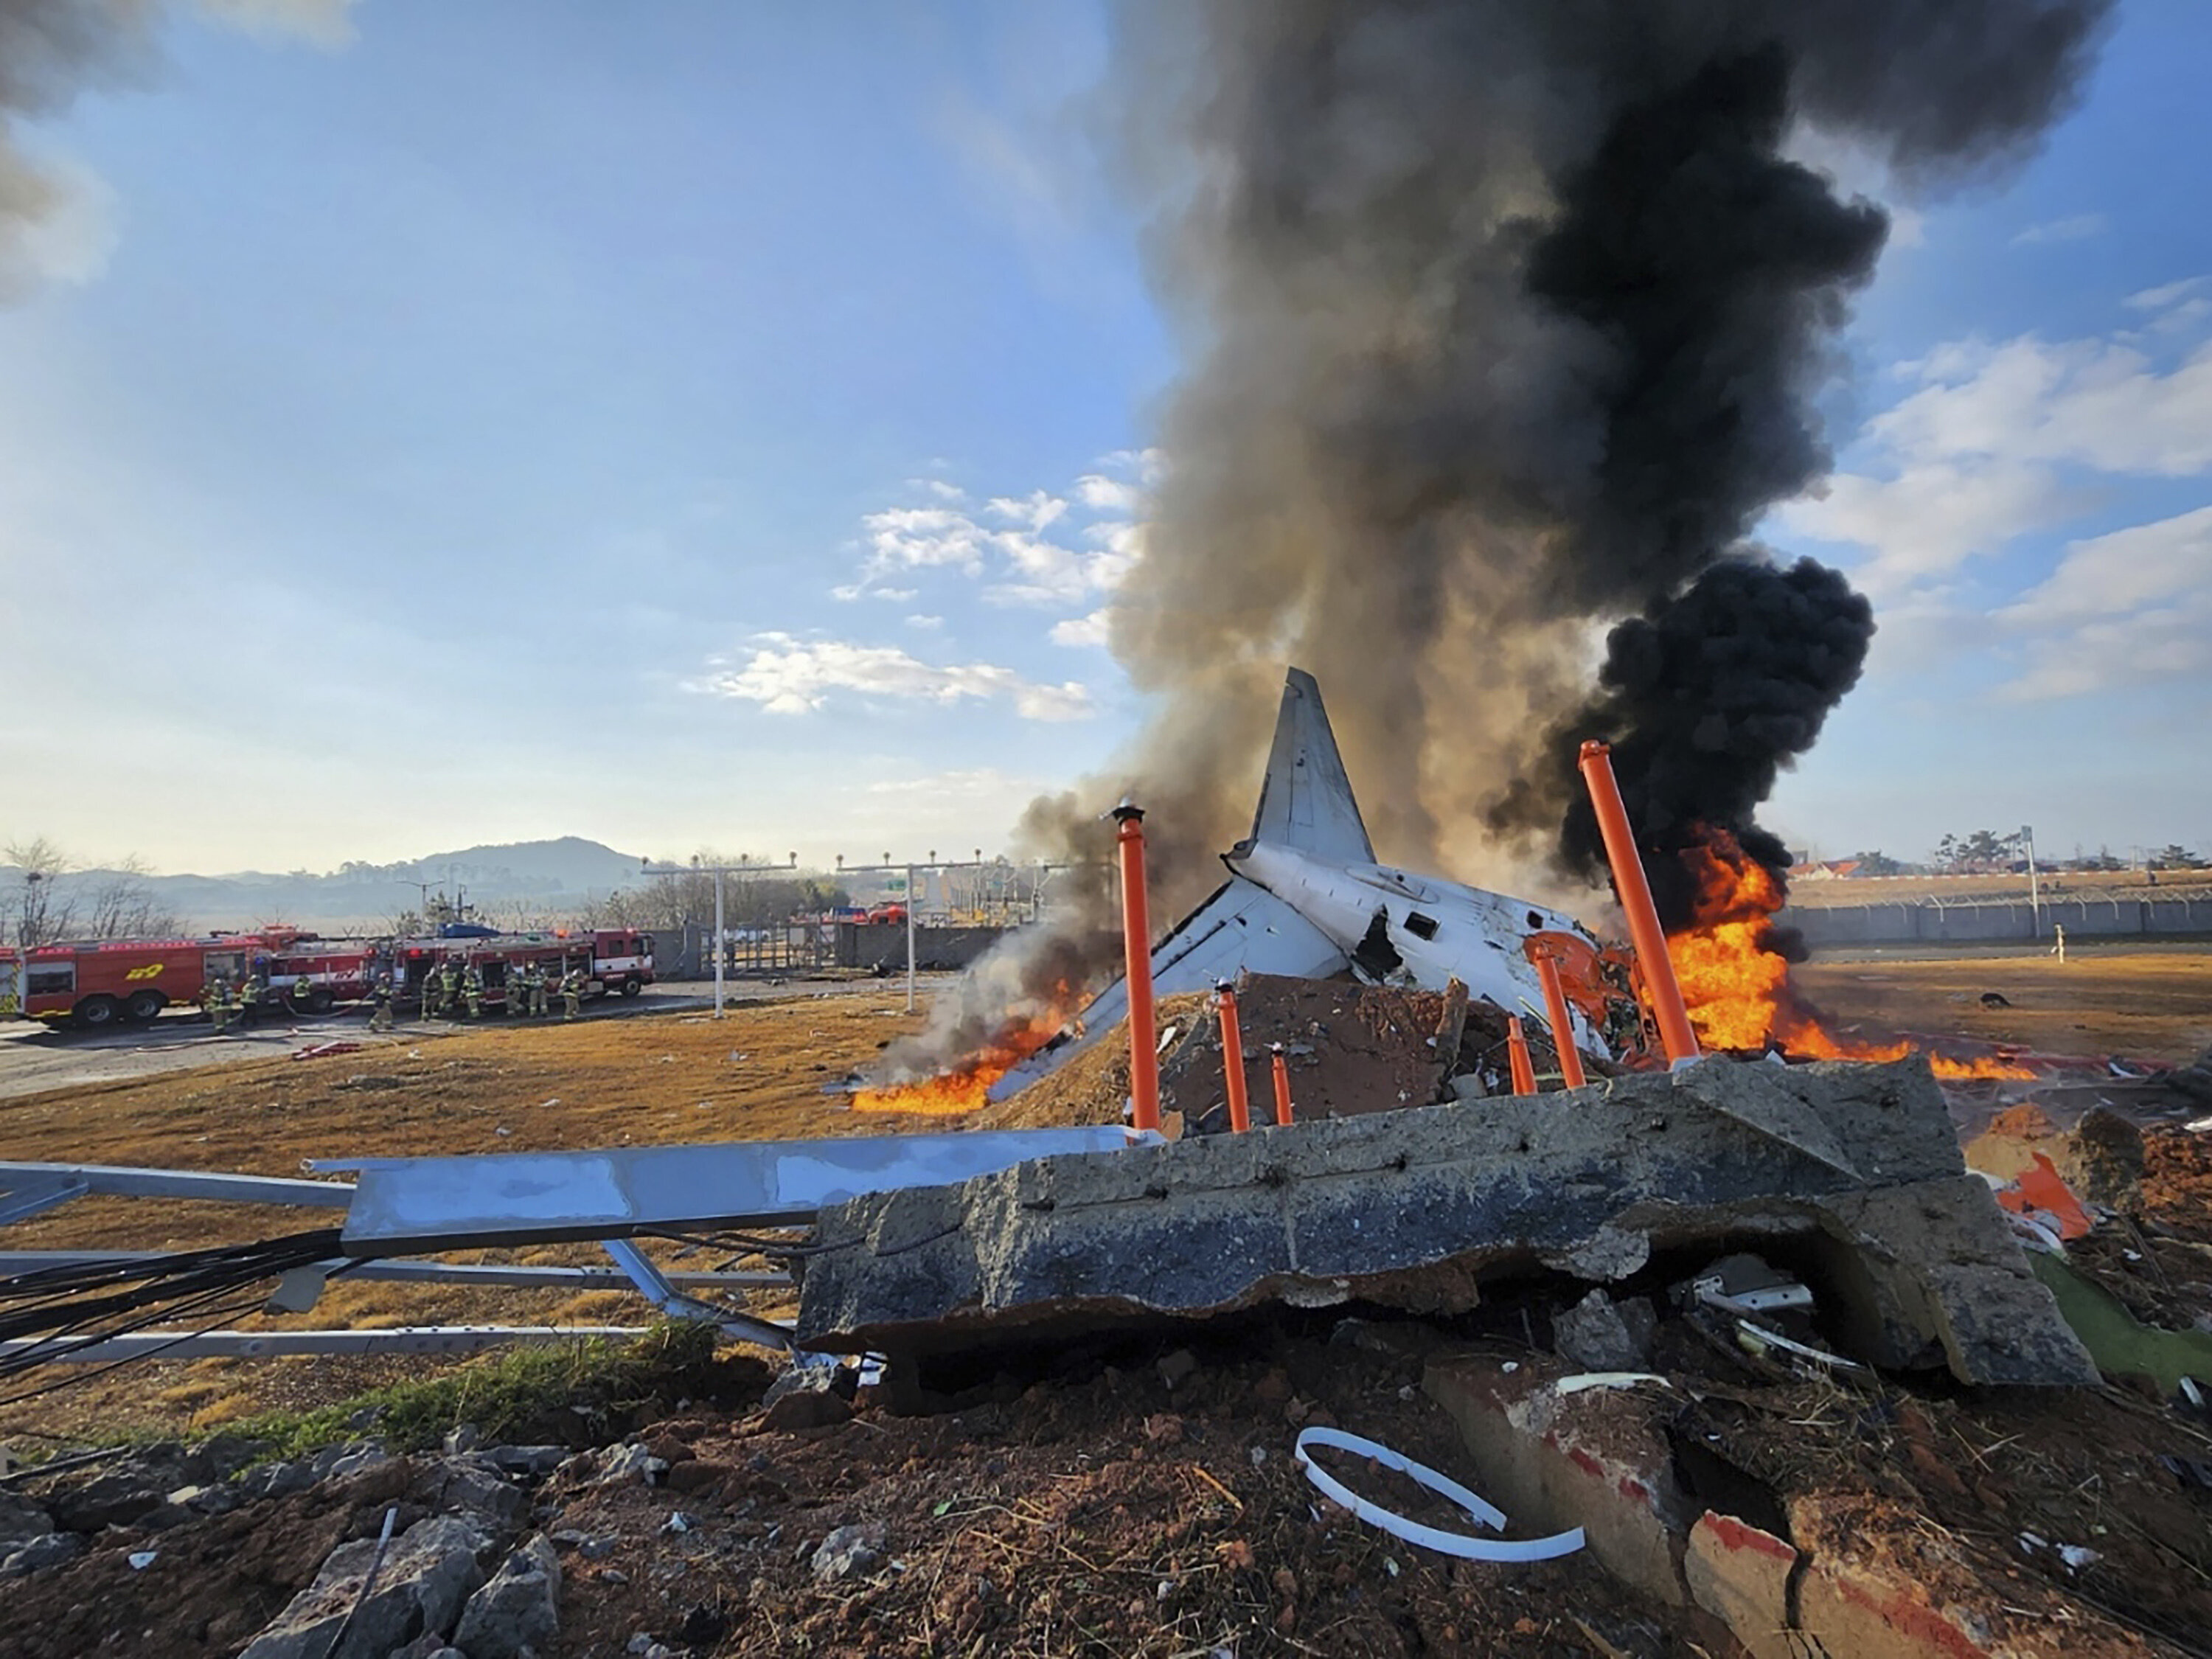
(33, 1057)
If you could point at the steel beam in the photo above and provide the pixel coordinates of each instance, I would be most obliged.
(118, 1181)
(485, 1274)
(21, 1201)
(404, 1206)
(266, 1345)
(645, 1275)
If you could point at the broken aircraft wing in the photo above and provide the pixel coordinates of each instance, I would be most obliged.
(1242, 927)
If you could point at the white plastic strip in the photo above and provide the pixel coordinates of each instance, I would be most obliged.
(1434, 1538)
(1607, 1380)
(1819, 1357)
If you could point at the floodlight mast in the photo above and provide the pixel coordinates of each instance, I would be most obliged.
(717, 870)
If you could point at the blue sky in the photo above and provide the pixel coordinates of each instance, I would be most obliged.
(707, 425)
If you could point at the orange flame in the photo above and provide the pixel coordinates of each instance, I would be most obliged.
(965, 1088)
(1736, 981)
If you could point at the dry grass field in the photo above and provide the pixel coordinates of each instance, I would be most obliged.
(759, 1073)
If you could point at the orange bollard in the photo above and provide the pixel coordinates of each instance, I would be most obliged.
(1517, 1051)
(1634, 892)
(1137, 944)
(1282, 1087)
(1232, 1058)
(1563, 1029)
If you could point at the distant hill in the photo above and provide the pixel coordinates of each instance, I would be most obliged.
(522, 881)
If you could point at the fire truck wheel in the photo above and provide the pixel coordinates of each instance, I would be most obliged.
(145, 1005)
(319, 1002)
(631, 988)
(96, 1011)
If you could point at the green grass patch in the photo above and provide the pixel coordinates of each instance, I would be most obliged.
(566, 1393)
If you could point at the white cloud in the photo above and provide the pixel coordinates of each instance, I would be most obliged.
(2080, 228)
(2113, 574)
(924, 622)
(786, 676)
(1021, 562)
(982, 781)
(320, 22)
(1992, 443)
(1037, 509)
(1929, 518)
(2119, 609)
(2097, 403)
(1147, 466)
(2159, 298)
(1080, 631)
(924, 538)
(1104, 494)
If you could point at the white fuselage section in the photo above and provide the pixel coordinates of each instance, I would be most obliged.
(1439, 930)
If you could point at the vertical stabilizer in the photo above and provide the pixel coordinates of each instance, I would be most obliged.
(1306, 801)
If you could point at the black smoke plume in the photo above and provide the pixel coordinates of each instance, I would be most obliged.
(1505, 323)
(1704, 701)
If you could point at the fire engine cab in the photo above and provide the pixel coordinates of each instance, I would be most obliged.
(100, 984)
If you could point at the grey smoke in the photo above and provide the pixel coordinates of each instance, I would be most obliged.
(1503, 321)
(54, 51)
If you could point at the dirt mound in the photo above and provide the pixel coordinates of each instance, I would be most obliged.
(1092, 1087)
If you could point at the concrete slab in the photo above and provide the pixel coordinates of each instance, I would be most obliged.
(1597, 1459)
(1417, 1209)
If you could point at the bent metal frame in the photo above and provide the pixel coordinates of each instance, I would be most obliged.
(401, 1212)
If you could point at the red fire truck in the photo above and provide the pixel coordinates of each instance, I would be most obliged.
(615, 960)
(98, 984)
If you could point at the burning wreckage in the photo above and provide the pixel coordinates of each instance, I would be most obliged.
(944, 1251)
(1800, 1220)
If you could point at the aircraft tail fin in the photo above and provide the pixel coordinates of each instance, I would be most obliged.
(1306, 801)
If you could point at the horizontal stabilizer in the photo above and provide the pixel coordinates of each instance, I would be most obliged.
(1242, 927)
(1306, 801)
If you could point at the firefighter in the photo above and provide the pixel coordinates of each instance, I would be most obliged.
(540, 1001)
(449, 988)
(253, 994)
(572, 992)
(380, 1015)
(303, 994)
(472, 990)
(219, 1005)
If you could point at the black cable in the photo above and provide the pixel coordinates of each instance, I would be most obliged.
(159, 1289)
(77, 1377)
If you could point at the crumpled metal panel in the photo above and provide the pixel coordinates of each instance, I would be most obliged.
(405, 1205)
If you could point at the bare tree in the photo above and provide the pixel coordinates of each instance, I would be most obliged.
(55, 900)
(44, 909)
(120, 905)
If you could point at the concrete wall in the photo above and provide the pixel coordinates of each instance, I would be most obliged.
(882, 946)
(1906, 922)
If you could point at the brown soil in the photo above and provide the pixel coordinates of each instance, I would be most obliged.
(1096, 1510)
(2148, 1006)
(757, 1074)
(1103, 1512)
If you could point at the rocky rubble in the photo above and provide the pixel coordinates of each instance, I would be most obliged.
(461, 1573)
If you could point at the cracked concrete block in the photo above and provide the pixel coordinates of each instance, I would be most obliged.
(1740, 1575)
(1597, 1460)
(1416, 1209)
